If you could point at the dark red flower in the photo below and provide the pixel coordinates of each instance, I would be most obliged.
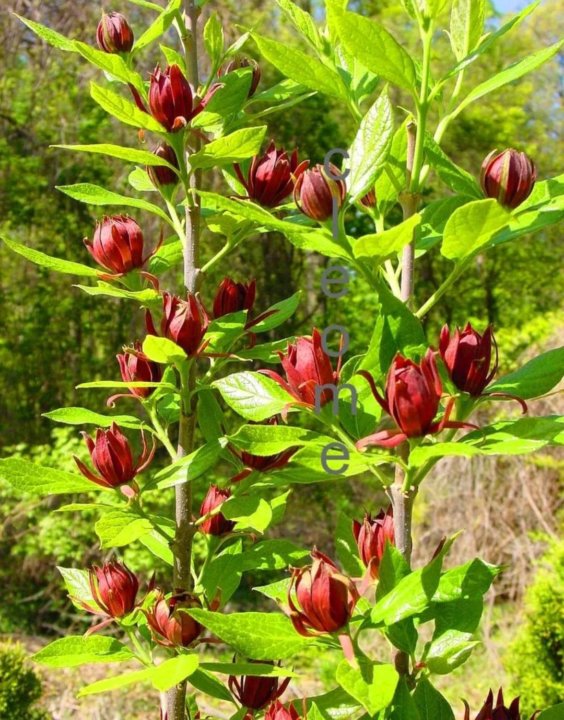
(169, 620)
(254, 692)
(114, 34)
(114, 588)
(277, 711)
(184, 322)
(371, 537)
(307, 366)
(232, 296)
(161, 175)
(135, 366)
(468, 357)
(369, 200)
(315, 191)
(508, 177)
(118, 245)
(171, 99)
(216, 524)
(325, 597)
(271, 176)
(498, 711)
(238, 64)
(112, 457)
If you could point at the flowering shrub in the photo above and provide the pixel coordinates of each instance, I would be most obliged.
(183, 375)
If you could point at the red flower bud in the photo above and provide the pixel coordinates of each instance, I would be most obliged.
(114, 34)
(169, 620)
(170, 98)
(267, 462)
(232, 297)
(277, 711)
(509, 177)
(117, 245)
(468, 358)
(112, 457)
(238, 64)
(271, 177)
(216, 524)
(369, 200)
(184, 322)
(114, 588)
(325, 597)
(371, 536)
(307, 366)
(135, 366)
(314, 192)
(161, 175)
(498, 711)
(254, 692)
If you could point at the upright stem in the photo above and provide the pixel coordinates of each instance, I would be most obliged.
(185, 528)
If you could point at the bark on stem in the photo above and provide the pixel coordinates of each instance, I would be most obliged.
(185, 529)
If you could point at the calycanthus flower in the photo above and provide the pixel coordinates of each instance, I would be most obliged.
(255, 692)
(508, 177)
(232, 297)
(118, 245)
(307, 367)
(111, 455)
(114, 35)
(497, 710)
(114, 588)
(239, 64)
(371, 536)
(271, 177)
(161, 175)
(169, 621)
(277, 711)
(216, 524)
(184, 322)
(315, 192)
(320, 597)
(135, 366)
(412, 396)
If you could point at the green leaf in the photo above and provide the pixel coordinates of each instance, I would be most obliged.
(393, 568)
(273, 555)
(511, 73)
(514, 437)
(206, 683)
(471, 227)
(56, 264)
(247, 668)
(260, 636)
(28, 477)
(108, 290)
(390, 182)
(190, 467)
(162, 350)
(465, 582)
(265, 440)
(374, 47)
(430, 703)
(226, 150)
(372, 685)
(213, 39)
(346, 547)
(449, 651)
(140, 181)
(120, 527)
(222, 576)
(283, 311)
(404, 707)
(227, 102)
(163, 677)
(124, 110)
(535, 378)
(370, 147)
(96, 195)
(277, 591)
(77, 584)
(248, 512)
(380, 246)
(111, 63)
(552, 713)
(83, 416)
(466, 26)
(302, 21)
(252, 395)
(304, 69)
(50, 36)
(159, 26)
(453, 176)
(143, 157)
(74, 650)
(158, 546)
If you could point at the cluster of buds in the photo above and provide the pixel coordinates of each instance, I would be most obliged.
(371, 536)
(508, 177)
(118, 245)
(256, 692)
(315, 192)
(216, 524)
(184, 322)
(308, 371)
(112, 457)
(497, 710)
(320, 597)
(241, 63)
(169, 621)
(271, 177)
